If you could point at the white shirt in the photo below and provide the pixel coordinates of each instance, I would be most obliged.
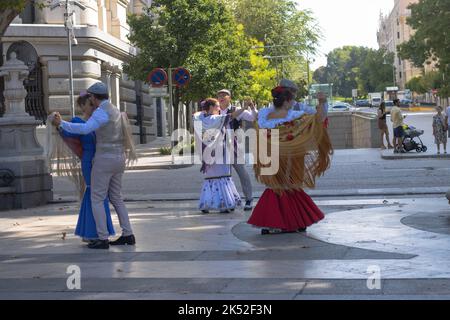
(246, 115)
(98, 119)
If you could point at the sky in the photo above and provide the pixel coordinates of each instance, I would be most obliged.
(346, 22)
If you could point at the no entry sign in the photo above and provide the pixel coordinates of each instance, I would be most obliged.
(157, 77)
(181, 77)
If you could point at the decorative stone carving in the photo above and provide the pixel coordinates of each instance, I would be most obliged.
(15, 71)
(20, 153)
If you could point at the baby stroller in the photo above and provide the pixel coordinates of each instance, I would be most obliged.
(409, 142)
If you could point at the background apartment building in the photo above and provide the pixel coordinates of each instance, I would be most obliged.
(394, 30)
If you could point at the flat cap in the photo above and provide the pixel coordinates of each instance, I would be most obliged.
(285, 83)
(226, 91)
(98, 88)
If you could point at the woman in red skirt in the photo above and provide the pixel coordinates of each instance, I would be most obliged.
(304, 151)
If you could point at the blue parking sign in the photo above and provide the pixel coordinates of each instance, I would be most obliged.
(157, 77)
(181, 77)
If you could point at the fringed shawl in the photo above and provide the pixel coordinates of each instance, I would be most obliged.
(304, 154)
(128, 143)
(213, 133)
(63, 156)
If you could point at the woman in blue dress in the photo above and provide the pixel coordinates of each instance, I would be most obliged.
(86, 227)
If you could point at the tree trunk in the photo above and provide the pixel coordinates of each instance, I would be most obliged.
(176, 105)
(7, 16)
(188, 115)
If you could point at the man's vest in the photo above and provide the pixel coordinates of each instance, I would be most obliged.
(235, 124)
(110, 139)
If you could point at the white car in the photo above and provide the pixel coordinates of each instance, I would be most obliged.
(340, 106)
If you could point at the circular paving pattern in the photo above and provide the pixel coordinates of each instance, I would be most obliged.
(436, 222)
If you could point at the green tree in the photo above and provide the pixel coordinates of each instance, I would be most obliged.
(416, 85)
(432, 80)
(288, 33)
(200, 35)
(320, 75)
(361, 68)
(377, 71)
(343, 66)
(9, 9)
(261, 77)
(431, 41)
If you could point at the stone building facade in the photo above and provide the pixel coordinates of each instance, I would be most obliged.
(393, 31)
(40, 40)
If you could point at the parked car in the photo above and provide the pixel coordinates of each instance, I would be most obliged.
(362, 103)
(405, 102)
(340, 106)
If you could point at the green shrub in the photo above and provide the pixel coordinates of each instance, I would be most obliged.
(180, 152)
(165, 151)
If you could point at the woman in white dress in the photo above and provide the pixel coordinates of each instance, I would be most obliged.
(218, 190)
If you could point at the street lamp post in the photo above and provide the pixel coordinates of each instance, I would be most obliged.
(393, 74)
(69, 24)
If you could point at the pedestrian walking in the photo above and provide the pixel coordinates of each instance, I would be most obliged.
(447, 120)
(440, 129)
(383, 126)
(397, 125)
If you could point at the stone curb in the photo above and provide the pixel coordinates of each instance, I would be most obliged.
(159, 166)
(399, 156)
(312, 193)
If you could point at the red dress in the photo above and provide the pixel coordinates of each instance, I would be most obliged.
(291, 211)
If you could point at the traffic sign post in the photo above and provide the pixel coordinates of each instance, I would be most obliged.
(181, 77)
(157, 77)
(171, 122)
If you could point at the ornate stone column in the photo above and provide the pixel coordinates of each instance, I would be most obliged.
(115, 87)
(20, 153)
(106, 75)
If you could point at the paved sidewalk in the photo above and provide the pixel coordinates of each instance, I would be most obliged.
(150, 160)
(182, 254)
(390, 155)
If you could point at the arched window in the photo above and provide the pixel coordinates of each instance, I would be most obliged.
(34, 103)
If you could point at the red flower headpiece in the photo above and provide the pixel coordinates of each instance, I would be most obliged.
(278, 90)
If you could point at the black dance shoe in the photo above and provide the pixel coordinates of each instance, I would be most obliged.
(122, 241)
(99, 244)
(271, 231)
